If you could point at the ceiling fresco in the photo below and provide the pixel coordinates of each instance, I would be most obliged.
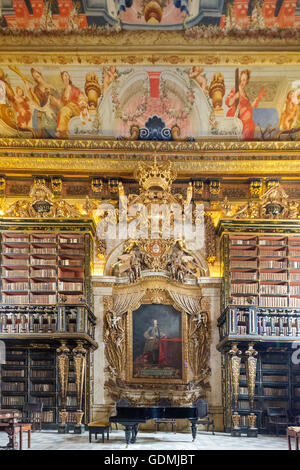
(224, 15)
(150, 102)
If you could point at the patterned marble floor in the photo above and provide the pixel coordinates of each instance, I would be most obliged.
(51, 440)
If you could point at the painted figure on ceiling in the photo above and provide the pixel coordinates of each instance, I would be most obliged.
(73, 101)
(241, 106)
(21, 106)
(289, 113)
(197, 74)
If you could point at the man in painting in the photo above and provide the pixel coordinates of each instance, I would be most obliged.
(239, 103)
(72, 101)
(152, 336)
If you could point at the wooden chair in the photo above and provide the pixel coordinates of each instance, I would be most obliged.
(165, 402)
(277, 418)
(24, 427)
(120, 402)
(32, 413)
(208, 420)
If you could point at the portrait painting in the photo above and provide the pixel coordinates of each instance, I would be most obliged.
(157, 343)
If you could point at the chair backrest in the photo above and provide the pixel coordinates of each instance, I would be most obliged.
(274, 411)
(164, 402)
(202, 406)
(124, 402)
(30, 408)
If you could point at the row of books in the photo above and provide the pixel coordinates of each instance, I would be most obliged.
(244, 263)
(47, 401)
(24, 238)
(249, 252)
(280, 392)
(273, 301)
(247, 275)
(270, 242)
(42, 373)
(44, 363)
(242, 330)
(34, 299)
(273, 276)
(294, 276)
(43, 286)
(70, 286)
(7, 401)
(271, 264)
(11, 286)
(15, 273)
(295, 290)
(275, 378)
(294, 302)
(13, 386)
(243, 390)
(273, 289)
(37, 387)
(242, 288)
(13, 373)
(266, 251)
(240, 300)
(251, 241)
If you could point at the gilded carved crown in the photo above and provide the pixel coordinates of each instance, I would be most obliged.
(153, 175)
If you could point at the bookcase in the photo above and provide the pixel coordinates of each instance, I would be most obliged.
(31, 375)
(260, 309)
(42, 268)
(263, 270)
(45, 306)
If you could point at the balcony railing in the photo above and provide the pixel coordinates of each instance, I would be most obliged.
(26, 319)
(252, 321)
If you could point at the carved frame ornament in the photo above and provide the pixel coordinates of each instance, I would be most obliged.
(117, 335)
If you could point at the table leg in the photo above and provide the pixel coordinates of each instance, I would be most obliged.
(289, 442)
(297, 442)
(12, 438)
(29, 438)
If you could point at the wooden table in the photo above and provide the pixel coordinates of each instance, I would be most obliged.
(293, 431)
(9, 424)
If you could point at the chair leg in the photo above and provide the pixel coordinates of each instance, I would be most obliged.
(21, 438)
(103, 437)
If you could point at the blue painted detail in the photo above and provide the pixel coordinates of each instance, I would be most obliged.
(265, 117)
(122, 5)
(155, 129)
(182, 4)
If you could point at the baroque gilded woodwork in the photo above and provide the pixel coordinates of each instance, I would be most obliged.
(251, 363)
(63, 369)
(117, 334)
(235, 365)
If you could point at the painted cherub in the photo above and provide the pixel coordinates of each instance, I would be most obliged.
(289, 113)
(21, 106)
(109, 75)
(197, 74)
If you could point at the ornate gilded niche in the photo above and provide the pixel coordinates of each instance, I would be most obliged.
(156, 322)
(177, 367)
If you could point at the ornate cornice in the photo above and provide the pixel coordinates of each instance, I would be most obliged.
(114, 147)
(170, 43)
(105, 157)
(140, 55)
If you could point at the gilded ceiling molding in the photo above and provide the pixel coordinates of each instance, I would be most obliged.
(115, 146)
(145, 40)
(85, 165)
(141, 56)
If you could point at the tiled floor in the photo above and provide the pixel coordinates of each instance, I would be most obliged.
(51, 440)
